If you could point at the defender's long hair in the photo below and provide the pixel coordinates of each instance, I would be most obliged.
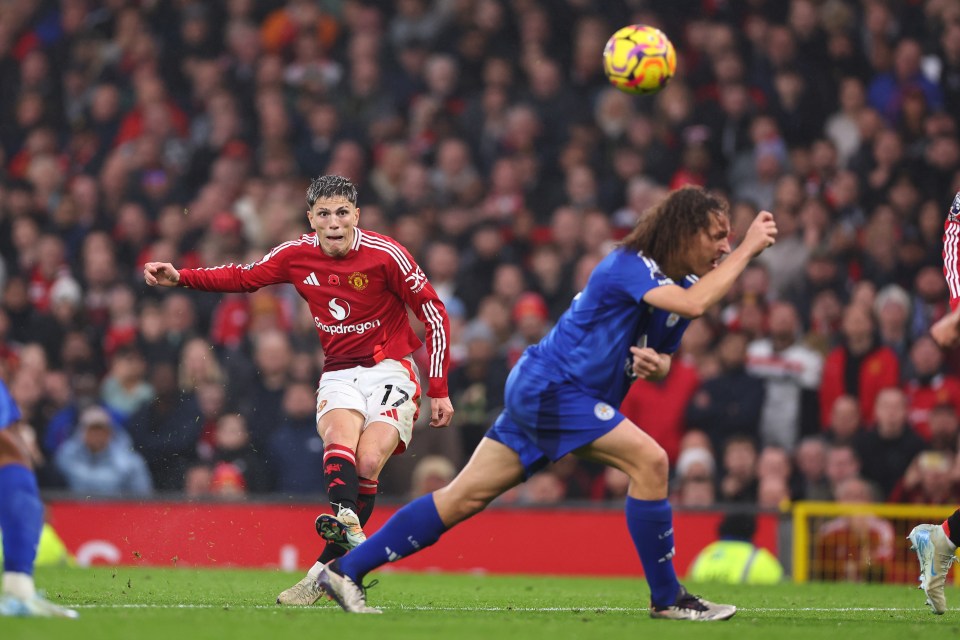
(666, 229)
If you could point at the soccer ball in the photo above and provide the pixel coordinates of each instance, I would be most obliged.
(639, 59)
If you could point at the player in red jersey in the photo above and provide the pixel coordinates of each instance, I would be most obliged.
(936, 544)
(357, 284)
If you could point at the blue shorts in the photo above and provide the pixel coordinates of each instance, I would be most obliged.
(545, 419)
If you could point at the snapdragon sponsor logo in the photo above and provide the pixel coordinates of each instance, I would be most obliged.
(340, 329)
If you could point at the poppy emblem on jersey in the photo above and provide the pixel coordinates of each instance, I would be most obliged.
(672, 320)
(603, 411)
(339, 309)
(333, 280)
(358, 281)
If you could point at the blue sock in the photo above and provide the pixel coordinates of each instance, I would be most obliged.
(651, 526)
(414, 527)
(21, 517)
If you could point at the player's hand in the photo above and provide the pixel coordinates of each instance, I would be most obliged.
(160, 273)
(646, 362)
(441, 412)
(761, 234)
(946, 330)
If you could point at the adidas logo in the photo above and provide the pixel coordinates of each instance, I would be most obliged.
(312, 279)
(390, 413)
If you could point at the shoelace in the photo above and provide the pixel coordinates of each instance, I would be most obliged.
(369, 585)
(690, 601)
(944, 562)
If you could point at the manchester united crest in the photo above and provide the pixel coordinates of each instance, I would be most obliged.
(358, 281)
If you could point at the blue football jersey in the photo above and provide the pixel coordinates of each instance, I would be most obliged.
(9, 411)
(589, 346)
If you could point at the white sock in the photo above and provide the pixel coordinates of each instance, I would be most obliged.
(18, 585)
(314, 571)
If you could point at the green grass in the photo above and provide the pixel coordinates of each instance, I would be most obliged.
(183, 604)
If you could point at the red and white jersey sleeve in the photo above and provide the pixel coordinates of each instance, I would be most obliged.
(231, 278)
(358, 301)
(951, 251)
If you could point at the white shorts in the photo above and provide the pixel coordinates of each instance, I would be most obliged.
(389, 392)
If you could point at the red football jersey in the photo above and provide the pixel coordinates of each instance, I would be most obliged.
(358, 301)
(951, 251)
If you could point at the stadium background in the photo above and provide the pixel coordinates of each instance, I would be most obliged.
(484, 137)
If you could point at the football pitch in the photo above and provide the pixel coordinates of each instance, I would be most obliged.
(182, 604)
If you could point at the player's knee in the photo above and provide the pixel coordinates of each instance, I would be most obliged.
(658, 462)
(369, 463)
(460, 505)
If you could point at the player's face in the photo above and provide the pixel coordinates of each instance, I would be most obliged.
(335, 221)
(709, 247)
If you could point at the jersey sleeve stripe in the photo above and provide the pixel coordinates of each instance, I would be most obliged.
(951, 244)
(439, 339)
(382, 245)
(357, 238)
(280, 247)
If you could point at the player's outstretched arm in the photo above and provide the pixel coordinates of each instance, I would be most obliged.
(441, 412)
(160, 273)
(710, 289)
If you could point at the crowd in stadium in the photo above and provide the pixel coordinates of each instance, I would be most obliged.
(484, 137)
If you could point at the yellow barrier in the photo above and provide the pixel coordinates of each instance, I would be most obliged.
(827, 517)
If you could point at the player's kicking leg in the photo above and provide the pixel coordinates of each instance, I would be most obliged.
(493, 469)
(377, 443)
(306, 592)
(935, 551)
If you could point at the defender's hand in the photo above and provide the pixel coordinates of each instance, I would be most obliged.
(761, 234)
(646, 362)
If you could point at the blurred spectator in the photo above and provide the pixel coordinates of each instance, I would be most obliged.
(296, 451)
(888, 90)
(476, 386)
(166, 430)
(791, 372)
(844, 422)
(853, 548)
(126, 389)
(738, 475)
(887, 450)
(858, 367)
(262, 400)
(892, 308)
(928, 385)
(431, 473)
(610, 484)
(811, 463)
(96, 462)
(944, 427)
(843, 463)
(545, 488)
(731, 403)
(733, 558)
(928, 480)
(237, 467)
